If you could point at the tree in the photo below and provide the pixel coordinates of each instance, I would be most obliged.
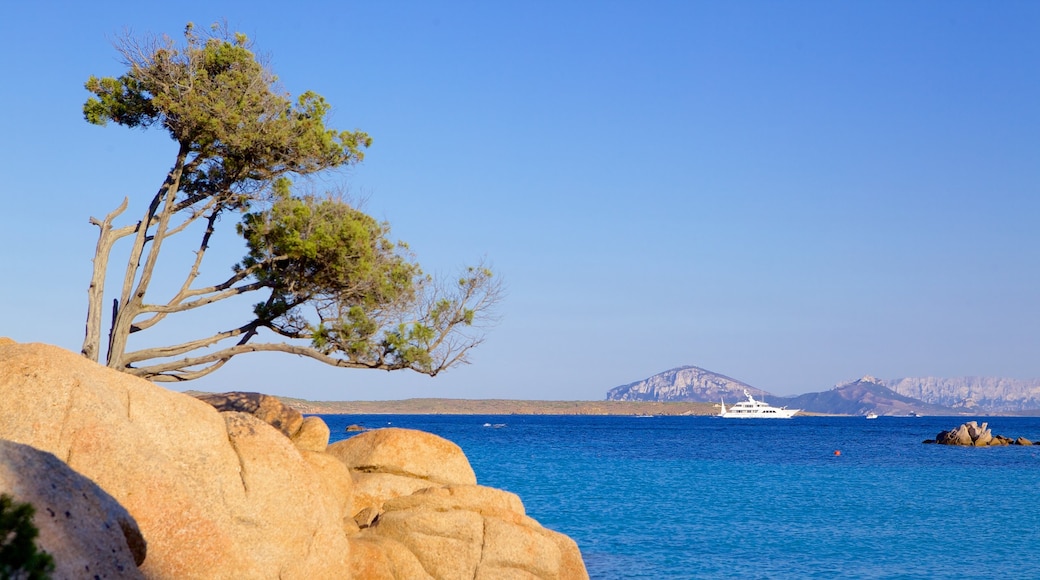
(332, 285)
(20, 557)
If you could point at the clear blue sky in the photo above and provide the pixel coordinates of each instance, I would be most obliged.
(789, 193)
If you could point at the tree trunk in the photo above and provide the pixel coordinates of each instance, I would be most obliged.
(159, 211)
(96, 291)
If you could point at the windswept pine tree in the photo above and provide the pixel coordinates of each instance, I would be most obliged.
(330, 283)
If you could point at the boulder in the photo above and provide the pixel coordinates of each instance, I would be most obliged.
(268, 409)
(372, 489)
(393, 462)
(338, 484)
(471, 531)
(313, 435)
(215, 495)
(405, 452)
(958, 436)
(1023, 441)
(381, 558)
(226, 494)
(86, 531)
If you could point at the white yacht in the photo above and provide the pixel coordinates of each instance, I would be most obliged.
(752, 409)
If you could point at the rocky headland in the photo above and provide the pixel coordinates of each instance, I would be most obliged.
(132, 480)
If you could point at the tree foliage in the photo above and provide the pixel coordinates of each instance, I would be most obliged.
(19, 555)
(331, 283)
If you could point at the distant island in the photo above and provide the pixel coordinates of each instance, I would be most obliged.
(691, 390)
(499, 407)
(904, 396)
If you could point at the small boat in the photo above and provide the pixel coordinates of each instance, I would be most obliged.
(752, 409)
(872, 415)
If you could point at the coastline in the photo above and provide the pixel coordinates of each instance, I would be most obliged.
(442, 406)
(434, 406)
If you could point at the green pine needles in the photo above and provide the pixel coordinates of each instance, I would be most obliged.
(19, 556)
(331, 284)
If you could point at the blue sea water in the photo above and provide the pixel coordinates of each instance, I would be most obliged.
(703, 497)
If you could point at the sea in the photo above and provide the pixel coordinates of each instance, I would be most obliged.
(808, 497)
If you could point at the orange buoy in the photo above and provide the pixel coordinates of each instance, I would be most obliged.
(837, 452)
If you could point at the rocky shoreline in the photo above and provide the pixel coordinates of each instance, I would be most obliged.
(434, 406)
(152, 483)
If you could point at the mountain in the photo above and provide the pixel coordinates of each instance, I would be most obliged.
(929, 395)
(972, 393)
(686, 383)
(862, 396)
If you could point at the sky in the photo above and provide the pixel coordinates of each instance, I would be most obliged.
(792, 194)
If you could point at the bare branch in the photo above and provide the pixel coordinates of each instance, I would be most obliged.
(173, 307)
(168, 372)
(186, 347)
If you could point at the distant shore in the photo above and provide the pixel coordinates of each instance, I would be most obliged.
(498, 407)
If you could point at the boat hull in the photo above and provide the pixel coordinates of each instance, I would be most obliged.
(752, 409)
(779, 414)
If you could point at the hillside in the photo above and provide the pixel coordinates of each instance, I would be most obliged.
(688, 383)
(862, 396)
(972, 394)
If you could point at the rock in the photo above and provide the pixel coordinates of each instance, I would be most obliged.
(973, 434)
(225, 494)
(380, 558)
(447, 543)
(973, 429)
(313, 435)
(958, 436)
(215, 495)
(999, 440)
(353, 428)
(392, 462)
(86, 531)
(471, 531)
(265, 407)
(373, 489)
(1023, 441)
(365, 517)
(405, 452)
(338, 484)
